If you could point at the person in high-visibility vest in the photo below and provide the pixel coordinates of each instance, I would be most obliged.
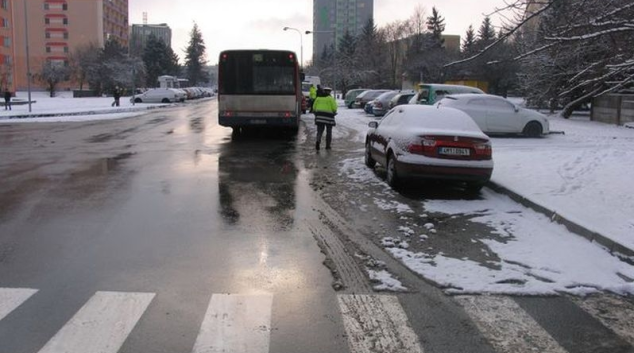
(312, 94)
(325, 110)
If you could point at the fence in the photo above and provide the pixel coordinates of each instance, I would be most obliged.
(613, 109)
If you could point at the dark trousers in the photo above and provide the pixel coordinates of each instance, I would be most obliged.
(116, 102)
(320, 132)
(7, 104)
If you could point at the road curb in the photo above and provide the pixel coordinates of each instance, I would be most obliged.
(615, 248)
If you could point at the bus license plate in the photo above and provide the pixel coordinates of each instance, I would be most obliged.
(452, 151)
(258, 121)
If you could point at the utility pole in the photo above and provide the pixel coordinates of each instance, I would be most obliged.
(28, 65)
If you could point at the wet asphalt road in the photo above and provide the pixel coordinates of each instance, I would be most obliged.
(169, 204)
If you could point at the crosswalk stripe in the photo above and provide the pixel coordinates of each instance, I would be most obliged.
(507, 326)
(615, 313)
(377, 323)
(101, 325)
(236, 323)
(11, 298)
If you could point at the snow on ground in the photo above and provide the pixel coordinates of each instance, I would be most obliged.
(99, 108)
(585, 175)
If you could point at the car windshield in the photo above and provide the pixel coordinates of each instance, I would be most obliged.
(424, 95)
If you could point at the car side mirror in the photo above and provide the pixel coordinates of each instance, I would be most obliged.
(373, 124)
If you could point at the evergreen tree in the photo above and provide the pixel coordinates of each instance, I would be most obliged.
(486, 34)
(436, 24)
(468, 46)
(159, 60)
(195, 61)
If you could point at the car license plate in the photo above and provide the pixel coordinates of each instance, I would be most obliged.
(258, 121)
(453, 151)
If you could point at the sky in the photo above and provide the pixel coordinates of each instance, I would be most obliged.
(239, 24)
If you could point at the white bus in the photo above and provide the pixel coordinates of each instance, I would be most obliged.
(259, 88)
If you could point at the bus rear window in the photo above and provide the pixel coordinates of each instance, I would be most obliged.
(244, 73)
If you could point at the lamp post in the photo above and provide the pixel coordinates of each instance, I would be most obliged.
(334, 57)
(28, 66)
(301, 45)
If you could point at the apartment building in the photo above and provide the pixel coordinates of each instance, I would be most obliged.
(57, 27)
(7, 72)
(333, 18)
(139, 35)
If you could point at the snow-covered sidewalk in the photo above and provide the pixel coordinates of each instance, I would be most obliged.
(64, 107)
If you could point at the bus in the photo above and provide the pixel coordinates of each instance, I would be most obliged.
(259, 88)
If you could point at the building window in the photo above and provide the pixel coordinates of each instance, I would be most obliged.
(5, 4)
(47, 21)
(6, 42)
(48, 35)
(65, 7)
(65, 49)
(5, 23)
(48, 49)
(46, 7)
(65, 35)
(65, 20)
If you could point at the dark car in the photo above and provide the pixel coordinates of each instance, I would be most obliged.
(423, 142)
(401, 98)
(368, 96)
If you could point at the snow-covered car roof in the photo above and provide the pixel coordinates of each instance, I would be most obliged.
(431, 120)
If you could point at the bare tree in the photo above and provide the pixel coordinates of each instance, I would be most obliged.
(85, 63)
(396, 35)
(52, 73)
(575, 49)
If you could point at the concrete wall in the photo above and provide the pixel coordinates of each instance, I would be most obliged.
(613, 109)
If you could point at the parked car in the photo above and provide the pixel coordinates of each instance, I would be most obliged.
(400, 99)
(430, 93)
(497, 115)
(367, 96)
(160, 95)
(367, 108)
(351, 95)
(381, 103)
(415, 141)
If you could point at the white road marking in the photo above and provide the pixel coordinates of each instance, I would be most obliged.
(101, 325)
(507, 326)
(11, 298)
(377, 323)
(615, 313)
(236, 323)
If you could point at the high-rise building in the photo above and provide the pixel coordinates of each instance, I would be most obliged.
(57, 27)
(333, 18)
(7, 72)
(139, 35)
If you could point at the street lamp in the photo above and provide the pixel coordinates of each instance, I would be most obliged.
(334, 57)
(301, 45)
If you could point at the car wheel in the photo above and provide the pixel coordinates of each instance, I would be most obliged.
(165, 100)
(533, 129)
(474, 187)
(369, 161)
(392, 177)
(138, 100)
